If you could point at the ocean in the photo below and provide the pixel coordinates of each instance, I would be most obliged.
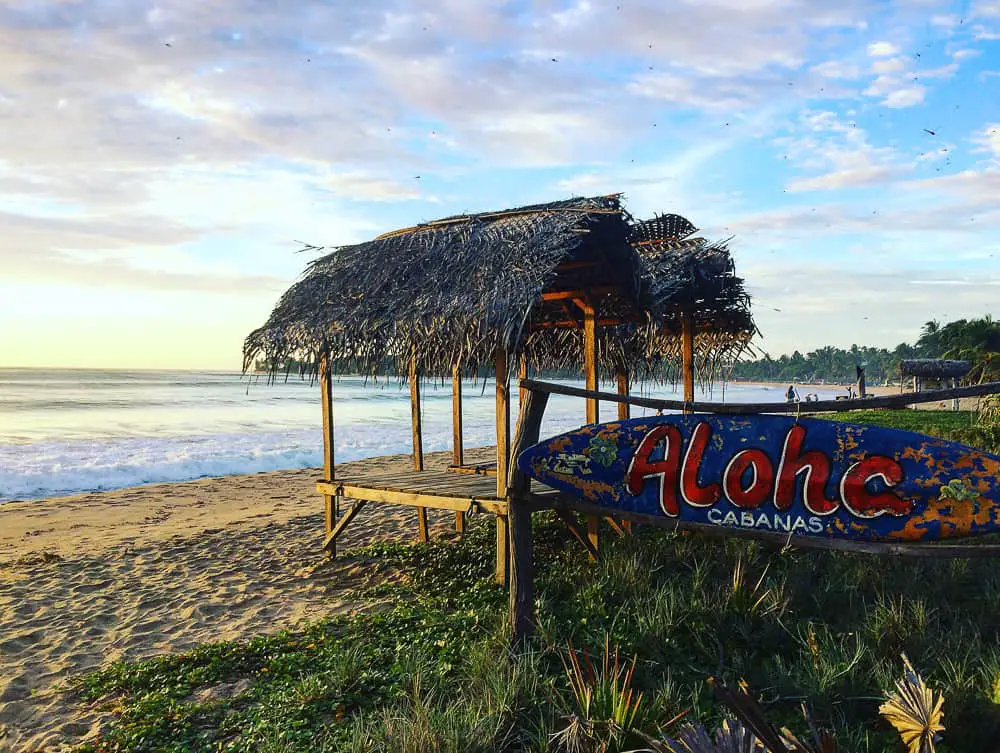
(68, 431)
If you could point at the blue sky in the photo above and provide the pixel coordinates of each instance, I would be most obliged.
(158, 163)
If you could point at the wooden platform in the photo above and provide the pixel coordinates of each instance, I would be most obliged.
(442, 490)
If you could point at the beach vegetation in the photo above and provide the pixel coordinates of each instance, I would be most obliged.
(621, 660)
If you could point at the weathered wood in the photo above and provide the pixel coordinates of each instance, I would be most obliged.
(418, 437)
(460, 523)
(573, 526)
(457, 449)
(574, 324)
(590, 363)
(422, 536)
(615, 526)
(623, 390)
(331, 537)
(330, 501)
(503, 550)
(569, 295)
(565, 506)
(485, 469)
(594, 534)
(821, 406)
(687, 354)
(437, 501)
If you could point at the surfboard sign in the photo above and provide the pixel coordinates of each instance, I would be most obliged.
(777, 474)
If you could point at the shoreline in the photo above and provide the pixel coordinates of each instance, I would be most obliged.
(129, 574)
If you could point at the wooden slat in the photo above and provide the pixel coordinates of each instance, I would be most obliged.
(459, 523)
(590, 363)
(414, 499)
(623, 388)
(821, 406)
(331, 537)
(418, 438)
(474, 470)
(574, 324)
(594, 533)
(687, 354)
(503, 550)
(457, 453)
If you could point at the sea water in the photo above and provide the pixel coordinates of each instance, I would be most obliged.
(69, 431)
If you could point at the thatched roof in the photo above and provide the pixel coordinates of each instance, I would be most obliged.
(455, 290)
(934, 368)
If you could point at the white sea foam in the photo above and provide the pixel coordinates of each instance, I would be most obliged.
(65, 432)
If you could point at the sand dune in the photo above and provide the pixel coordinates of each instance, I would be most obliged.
(94, 578)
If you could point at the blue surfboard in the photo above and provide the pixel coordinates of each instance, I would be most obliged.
(779, 474)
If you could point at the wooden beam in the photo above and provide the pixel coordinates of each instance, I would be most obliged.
(418, 439)
(569, 295)
(422, 536)
(503, 458)
(414, 499)
(820, 406)
(457, 450)
(590, 364)
(594, 534)
(503, 422)
(330, 501)
(522, 589)
(623, 388)
(574, 528)
(574, 324)
(331, 537)
(687, 354)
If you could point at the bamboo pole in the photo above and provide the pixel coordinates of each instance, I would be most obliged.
(503, 459)
(687, 354)
(330, 501)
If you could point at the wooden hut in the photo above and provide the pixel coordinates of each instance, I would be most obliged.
(576, 283)
(940, 372)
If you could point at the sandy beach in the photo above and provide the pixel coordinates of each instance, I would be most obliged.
(90, 579)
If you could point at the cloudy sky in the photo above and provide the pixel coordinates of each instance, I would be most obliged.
(158, 163)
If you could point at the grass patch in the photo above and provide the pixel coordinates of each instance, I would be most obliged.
(431, 672)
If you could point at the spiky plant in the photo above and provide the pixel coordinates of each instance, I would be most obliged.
(915, 711)
(731, 737)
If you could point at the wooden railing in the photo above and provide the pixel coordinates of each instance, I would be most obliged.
(817, 406)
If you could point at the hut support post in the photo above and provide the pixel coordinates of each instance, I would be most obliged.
(593, 407)
(418, 441)
(955, 401)
(687, 354)
(457, 453)
(522, 586)
(623, 387)
(330, 501)
(503, 457)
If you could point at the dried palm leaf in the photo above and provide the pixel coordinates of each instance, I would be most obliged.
(915, 711)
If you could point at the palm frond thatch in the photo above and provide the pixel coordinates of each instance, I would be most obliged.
(454, 291)
(915, 711)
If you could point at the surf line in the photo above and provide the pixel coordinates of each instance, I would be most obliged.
(752, 478)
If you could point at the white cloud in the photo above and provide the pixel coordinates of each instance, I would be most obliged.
(836, 69)
(966, 54)
(989, 139)
(985, 9)
(905, 97)
(882, 49)
(889, 65)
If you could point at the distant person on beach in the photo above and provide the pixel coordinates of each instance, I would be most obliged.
(790, 395)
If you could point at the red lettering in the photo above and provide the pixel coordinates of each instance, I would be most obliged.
(814, 464)
(694, 495)
(860, 502)
(760, 486)
(641, 468)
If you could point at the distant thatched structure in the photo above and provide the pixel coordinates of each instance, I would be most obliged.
(456, 291)
(934, 368)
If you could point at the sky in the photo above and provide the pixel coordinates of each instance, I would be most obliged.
(161, 165)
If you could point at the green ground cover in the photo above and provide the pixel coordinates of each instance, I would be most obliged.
(430, 670)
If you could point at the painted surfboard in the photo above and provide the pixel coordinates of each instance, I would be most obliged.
(805, 477)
